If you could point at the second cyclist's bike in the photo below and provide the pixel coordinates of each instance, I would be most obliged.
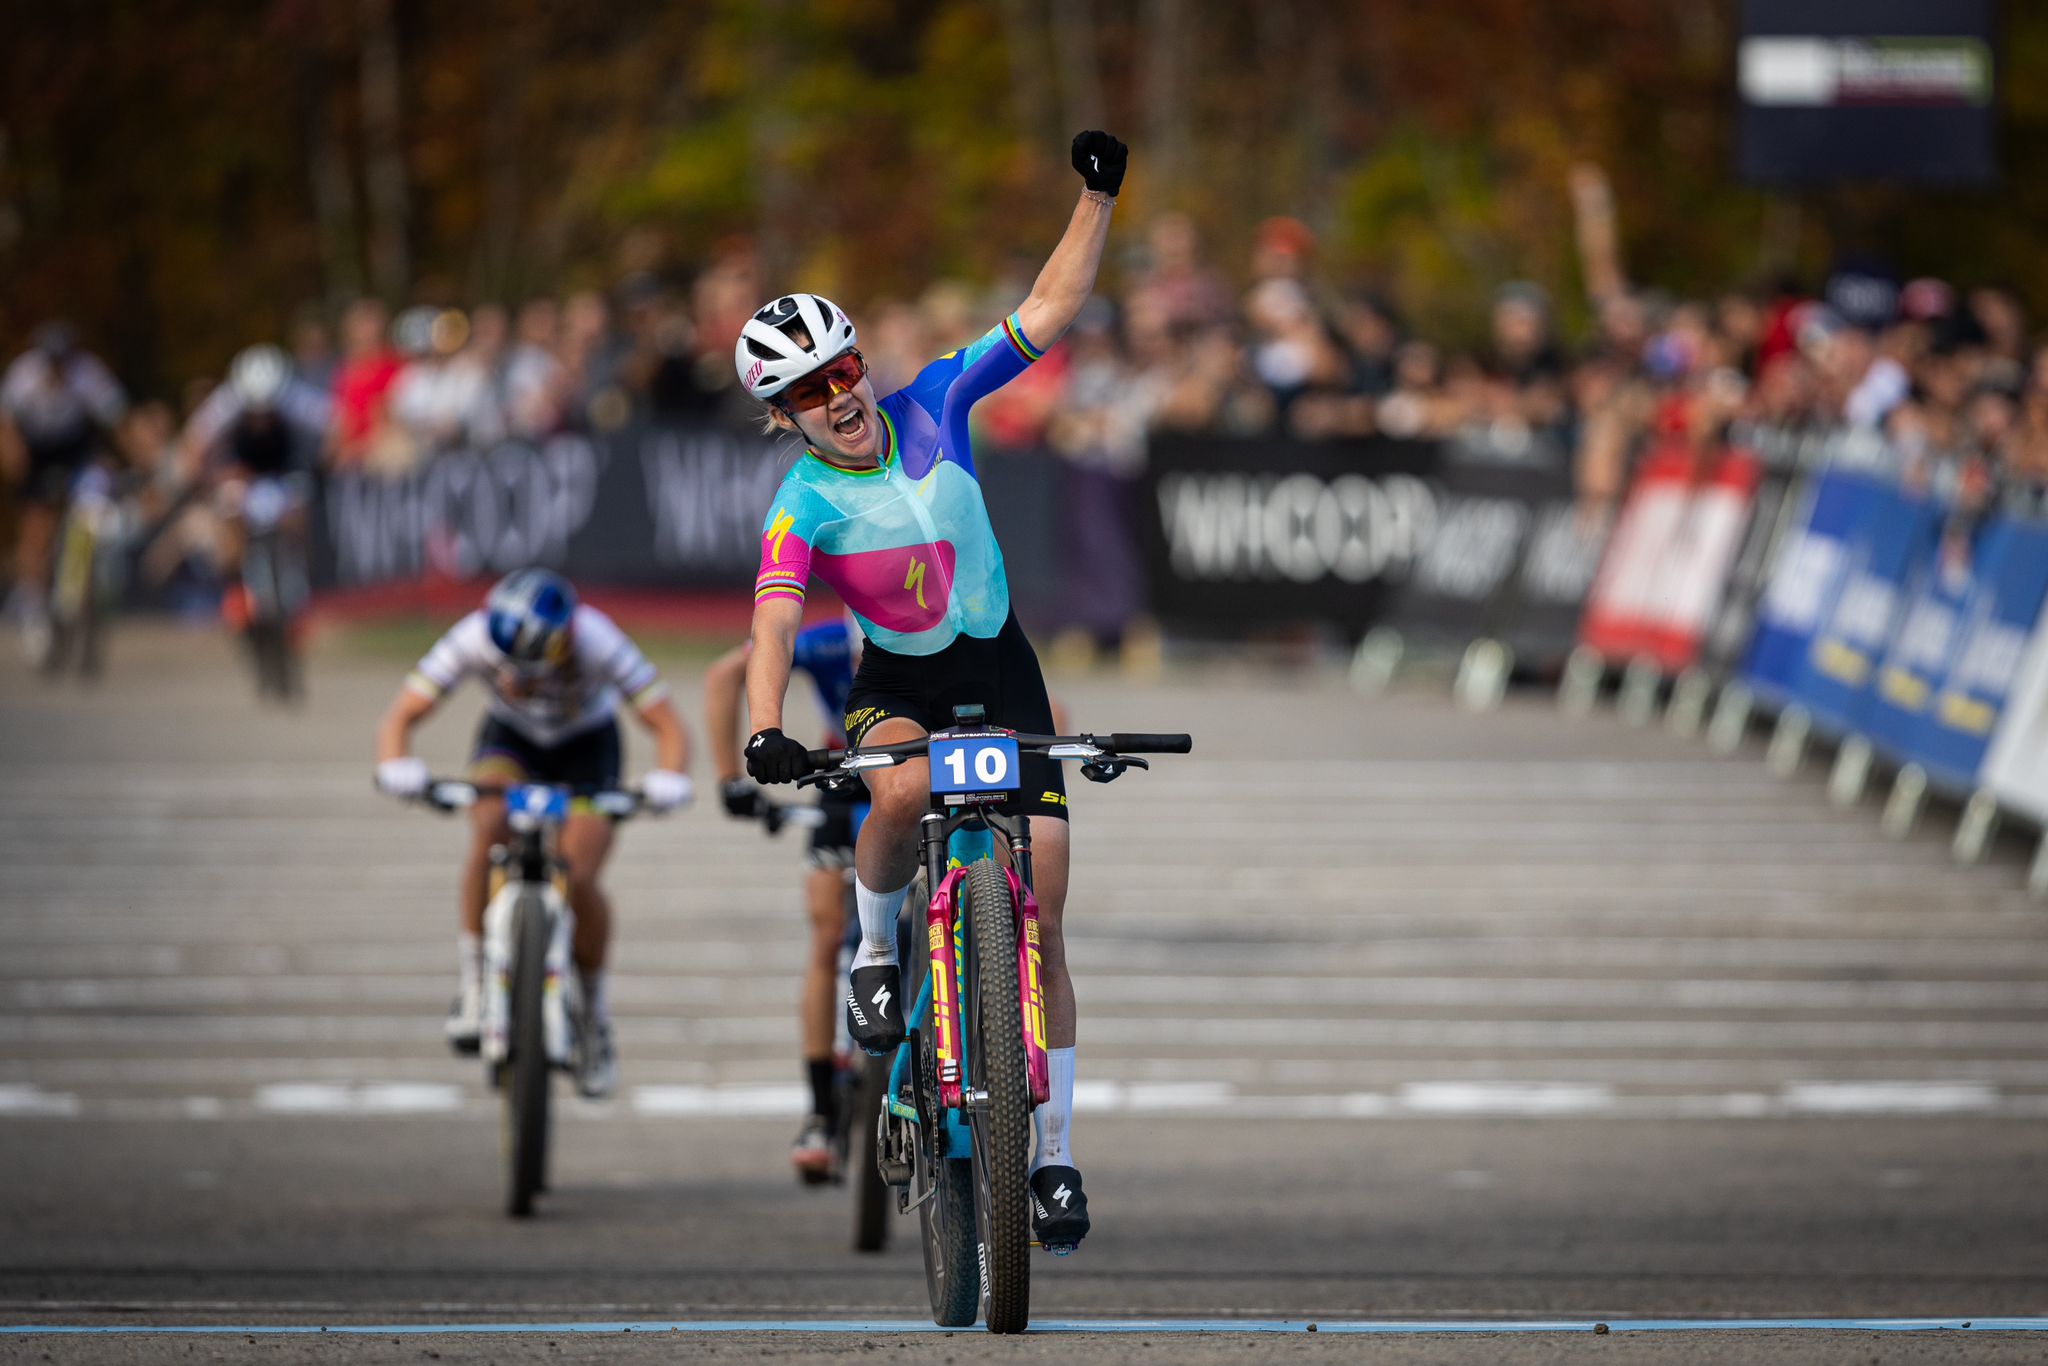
(533, 1021)
(858, 1080)
(86, 574)
(953, 1133)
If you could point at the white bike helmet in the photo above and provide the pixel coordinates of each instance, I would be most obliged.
(787, 340)
(259, 375)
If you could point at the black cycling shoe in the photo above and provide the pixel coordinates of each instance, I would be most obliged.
(1059, 1211)
(874, 1011)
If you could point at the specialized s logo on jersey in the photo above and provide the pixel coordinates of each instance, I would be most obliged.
(777, 529)
(914, 580)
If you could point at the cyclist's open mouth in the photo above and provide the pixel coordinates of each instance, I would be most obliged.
(851, 427)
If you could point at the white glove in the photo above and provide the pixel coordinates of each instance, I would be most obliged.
(664, 789)
(403, 777)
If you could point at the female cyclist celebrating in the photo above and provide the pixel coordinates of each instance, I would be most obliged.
(884, 506)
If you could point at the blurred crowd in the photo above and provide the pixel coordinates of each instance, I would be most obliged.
(1178, 344)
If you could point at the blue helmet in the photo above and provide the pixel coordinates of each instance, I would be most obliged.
(529, 614)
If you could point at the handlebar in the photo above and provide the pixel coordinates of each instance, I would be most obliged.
(459, 794)
(1097, 753)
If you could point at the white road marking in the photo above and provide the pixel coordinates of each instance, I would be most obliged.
(1890, 1097)
(1220, 1099)
(376, 1098)
(30, 1099)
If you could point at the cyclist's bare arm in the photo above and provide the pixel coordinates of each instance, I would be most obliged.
(671, 736)
(724, 684)
(1069, 274)
(394, 732)
(776, 623)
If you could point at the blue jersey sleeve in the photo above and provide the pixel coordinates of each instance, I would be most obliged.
(951, 385)
(960, 378)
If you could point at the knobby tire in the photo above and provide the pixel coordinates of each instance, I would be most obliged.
(995, 1055)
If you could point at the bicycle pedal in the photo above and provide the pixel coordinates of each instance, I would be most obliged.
(1056, 1249)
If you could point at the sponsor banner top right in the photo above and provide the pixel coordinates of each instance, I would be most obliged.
(1897, 90)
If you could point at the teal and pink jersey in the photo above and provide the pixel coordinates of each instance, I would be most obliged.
(907, 545)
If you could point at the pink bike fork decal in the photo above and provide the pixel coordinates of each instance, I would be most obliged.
(1030, 991)
(938, 920)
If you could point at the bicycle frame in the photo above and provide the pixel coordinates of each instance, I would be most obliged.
(527, 864)
(952, 844)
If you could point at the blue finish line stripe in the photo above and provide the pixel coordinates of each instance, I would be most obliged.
(890, 1326)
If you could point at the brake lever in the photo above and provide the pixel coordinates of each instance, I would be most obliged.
(832, 780)
(1109, 768)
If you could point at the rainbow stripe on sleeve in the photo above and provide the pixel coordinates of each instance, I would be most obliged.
(1013, 332)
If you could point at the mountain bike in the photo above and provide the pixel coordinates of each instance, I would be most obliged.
(85, 579)
(953, 1133)
(274, 585)
(533, 1015)
(858, 1080)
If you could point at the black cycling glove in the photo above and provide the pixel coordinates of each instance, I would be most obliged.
(742, 799)
(1100, 159)
(773, 757)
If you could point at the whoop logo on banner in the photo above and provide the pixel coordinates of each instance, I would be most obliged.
(654, 506)
(1297, 527)
(466, 514)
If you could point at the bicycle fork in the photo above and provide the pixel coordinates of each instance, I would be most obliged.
(500, 938)
(942, 916)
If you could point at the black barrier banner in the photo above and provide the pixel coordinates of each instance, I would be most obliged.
(1467, 580)
(1446, 543)
(1242, 533)
(646, 507)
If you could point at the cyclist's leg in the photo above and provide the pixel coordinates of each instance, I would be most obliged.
(825, 907)
(831, 856)
(586, 844)
(588, 761)
(43, 494)
(885, 858)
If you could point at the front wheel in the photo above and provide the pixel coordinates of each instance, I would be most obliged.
(526, 1089)
(996, 1067)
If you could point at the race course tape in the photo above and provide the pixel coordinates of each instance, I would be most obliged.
(1383, 1326)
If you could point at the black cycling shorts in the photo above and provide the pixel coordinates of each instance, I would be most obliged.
(53, 468)
(1000, 674)
(588, 760)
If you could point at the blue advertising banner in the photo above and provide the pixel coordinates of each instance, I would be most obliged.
(1889, 546)
(1937, 693)
(1805, 582)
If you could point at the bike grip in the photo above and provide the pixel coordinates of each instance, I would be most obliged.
(1144, 742)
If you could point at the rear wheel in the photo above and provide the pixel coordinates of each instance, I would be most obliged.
(946, 1219)
(526, 1091)
(1002, 1128)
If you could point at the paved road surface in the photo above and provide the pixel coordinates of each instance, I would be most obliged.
(1389, 1012)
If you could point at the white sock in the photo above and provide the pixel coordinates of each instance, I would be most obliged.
(597, 995)
(1056, 1117)
(469, 959)
(877, 924)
